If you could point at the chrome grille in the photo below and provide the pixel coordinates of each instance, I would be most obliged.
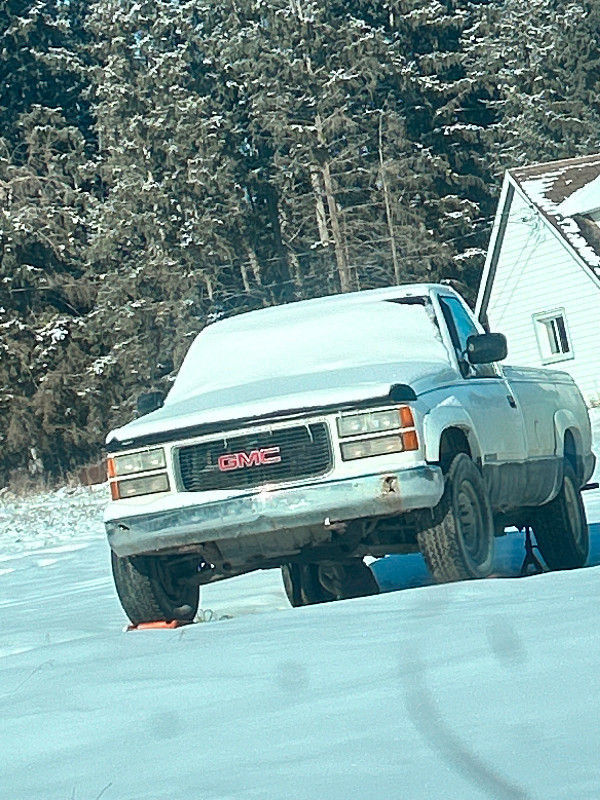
(304, 452)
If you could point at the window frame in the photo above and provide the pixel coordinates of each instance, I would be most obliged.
(547, 329)
(468, 370)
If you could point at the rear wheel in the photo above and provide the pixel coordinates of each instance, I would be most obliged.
(560, 527)
(460, 543)
(152, 590)
(323, 582)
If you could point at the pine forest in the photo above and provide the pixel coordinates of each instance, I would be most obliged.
(166, 163)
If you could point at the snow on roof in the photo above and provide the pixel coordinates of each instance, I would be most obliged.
(305, 310)
(584, 201)
(564, 191)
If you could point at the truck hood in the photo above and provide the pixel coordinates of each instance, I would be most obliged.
(305, 355)
(288, 394)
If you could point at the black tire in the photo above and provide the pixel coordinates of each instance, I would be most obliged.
(560, 527)
(150, 591)
(308, 584)
(459, 545)
(301, 584)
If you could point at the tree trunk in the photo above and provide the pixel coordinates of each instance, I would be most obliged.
(253, 258)
(315, 179)
(279, 267)
(297, 270)
(388, 204)
(338, 242)
(245, 281)
(293, 259)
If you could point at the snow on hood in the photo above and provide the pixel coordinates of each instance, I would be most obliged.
(299, 356)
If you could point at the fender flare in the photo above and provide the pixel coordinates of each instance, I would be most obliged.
(440, 419)
(565, 421)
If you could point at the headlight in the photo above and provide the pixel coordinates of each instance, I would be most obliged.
(369, 422)
(134, 487)
(399, 420)
(364, 448)
(143, 461)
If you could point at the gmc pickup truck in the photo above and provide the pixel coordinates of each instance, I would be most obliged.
(311, 435)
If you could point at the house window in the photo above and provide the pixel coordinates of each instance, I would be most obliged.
(553, 336)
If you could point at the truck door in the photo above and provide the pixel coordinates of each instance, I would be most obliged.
(485, 393)
(538, 400)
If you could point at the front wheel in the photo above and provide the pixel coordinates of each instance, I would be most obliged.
(560, 527)
(151, 589)
(459, 545)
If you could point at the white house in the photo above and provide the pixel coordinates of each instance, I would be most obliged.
(541, 281)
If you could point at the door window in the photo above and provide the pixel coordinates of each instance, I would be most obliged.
(461, 326)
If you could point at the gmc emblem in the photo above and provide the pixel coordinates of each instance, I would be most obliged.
(266, 455)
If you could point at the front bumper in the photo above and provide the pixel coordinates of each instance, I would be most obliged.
(271, 510)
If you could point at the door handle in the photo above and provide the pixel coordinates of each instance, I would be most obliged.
(511, 401)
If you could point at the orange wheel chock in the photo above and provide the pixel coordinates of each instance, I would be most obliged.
(175, 623)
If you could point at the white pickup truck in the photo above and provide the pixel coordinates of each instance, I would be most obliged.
(310, 435)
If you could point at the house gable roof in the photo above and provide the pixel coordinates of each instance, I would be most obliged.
(565, 193)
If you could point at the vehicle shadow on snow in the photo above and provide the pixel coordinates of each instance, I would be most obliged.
(405, 572)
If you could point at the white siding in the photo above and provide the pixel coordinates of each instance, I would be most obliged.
(537, 272)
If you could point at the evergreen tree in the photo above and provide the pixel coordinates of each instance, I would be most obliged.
(324, 95)
(45, 153)
(444, 102)
(543, 58)
(164, 163)
(169, 231)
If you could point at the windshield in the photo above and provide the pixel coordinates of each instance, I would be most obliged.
(306, 338)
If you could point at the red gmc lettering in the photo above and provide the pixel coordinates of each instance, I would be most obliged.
(251, 459)
(228, 462)
(266, 455)
(270, 455)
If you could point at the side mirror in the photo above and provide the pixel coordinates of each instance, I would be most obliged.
(149, 401)
(484, 348)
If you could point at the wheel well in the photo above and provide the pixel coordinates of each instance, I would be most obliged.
(570, 453)
(453, 441)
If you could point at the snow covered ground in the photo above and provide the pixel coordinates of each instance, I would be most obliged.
(487, 689)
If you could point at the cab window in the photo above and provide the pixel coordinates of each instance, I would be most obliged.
(460, 327)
